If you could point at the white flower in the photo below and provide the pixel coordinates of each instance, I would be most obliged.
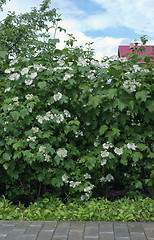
(24, 71)
(87, 176)
(48, 116)
(15, 99)
(42, 149)
(102, 179)
(96, 144)
(31, 139)
(88, 188)
(61, 62)
(79, 133)
(12, 62)
(67, 76)
(47, 157)
(30, 110)
(29, 96)
(118, 151)
(59, 118)
(123, 59)
(136, 68)
(103, 162)
(14, 76)
(57, 96)
(28, 81)
(126, 175)
(65, 178)
(131, 146)
(35, 129)
(107, 145)
(109, 177)
(7, 89)
(10, 107)
(85, 197)
(62, 152)
(82, 62)
(9, 70)
(104, 153)
(39, 119)
(67, 113)
(33, 75)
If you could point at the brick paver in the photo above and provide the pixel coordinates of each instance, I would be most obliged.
(39, 230)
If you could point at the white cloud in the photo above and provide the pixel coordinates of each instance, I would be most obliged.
(137, 15)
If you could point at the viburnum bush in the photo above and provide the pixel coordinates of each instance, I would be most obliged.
(73, 125)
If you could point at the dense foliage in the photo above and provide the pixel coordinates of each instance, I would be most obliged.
(70, 124)
(54, 209)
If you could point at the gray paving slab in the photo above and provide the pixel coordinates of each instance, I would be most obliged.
(106, 227)
(138, 236)
(33, 230)
(149, 232)
(15, 235)
(75, 235)
(121, 232)
(45, 235)
(106, 236)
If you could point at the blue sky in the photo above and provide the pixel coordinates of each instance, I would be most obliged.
(107, 23)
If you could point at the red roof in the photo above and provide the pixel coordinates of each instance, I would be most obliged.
(123, 50)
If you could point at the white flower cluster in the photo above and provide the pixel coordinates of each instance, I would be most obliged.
(9, 70)
(65, 178)
(25, 71)
(67, 76)
(131, 85)
(67, 113)
(42, 149)
(47, 157)
(28, 82)
(14, 76)
(62, 152)
(131, 146)
(7, 89)
(79, 133)
(49, 116)
(88, 188)
(74, 184)
(15, 99)
(59, 118)
(82, 62)
(31, 139)
(118, 151)
(57, 96)
(71, 183)
(107, 145)
(35, 129)
(104, 153)
(108, 178)
(103, 162)
(136, 68)
(85, 197)
(87, 176)
(29, 96)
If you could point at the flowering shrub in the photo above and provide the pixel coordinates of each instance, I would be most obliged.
(75, 124)
(71, 123)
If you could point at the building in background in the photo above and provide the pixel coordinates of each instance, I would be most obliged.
(124, 50)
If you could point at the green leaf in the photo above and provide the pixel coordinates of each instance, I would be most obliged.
(138, 184)
(150, 105)
(42, 85)
(24, 112)
(124, 160)
(136, 156)
(116, 132)
(7, 156)
(3, 54)
(103, 129)
(94, 101)
(111, 93)
(15, 115)
(142, 95)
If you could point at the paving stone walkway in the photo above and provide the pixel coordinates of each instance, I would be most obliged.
(39, 230)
